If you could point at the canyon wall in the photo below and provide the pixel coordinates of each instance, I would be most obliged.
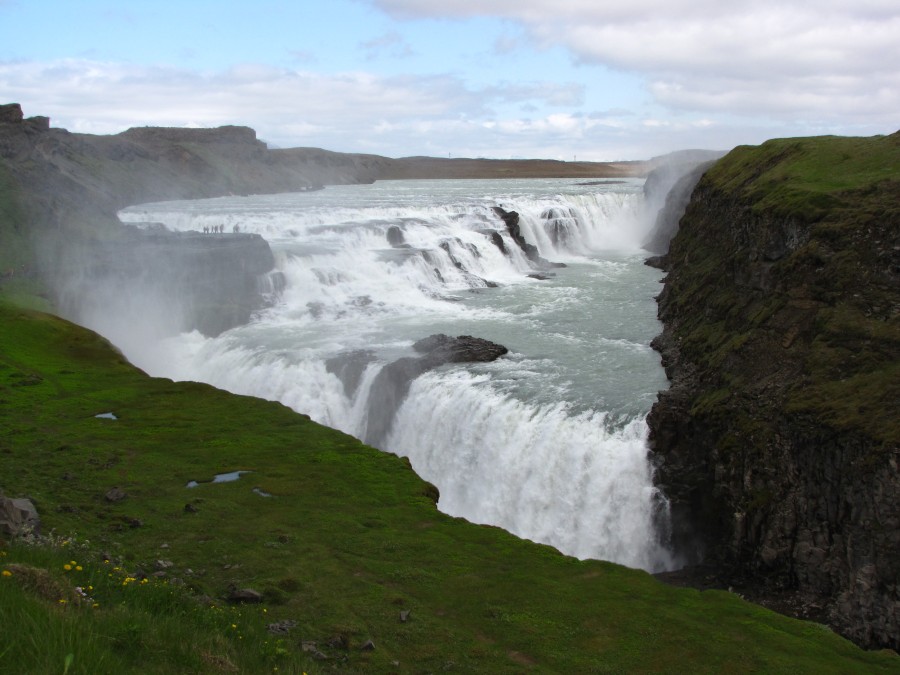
(778, 440)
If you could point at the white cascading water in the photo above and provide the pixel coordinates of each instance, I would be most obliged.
(548, 442)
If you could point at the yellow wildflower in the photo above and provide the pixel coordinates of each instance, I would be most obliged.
(78, 568)
(67, 567)
(62, 601)
(7, 573)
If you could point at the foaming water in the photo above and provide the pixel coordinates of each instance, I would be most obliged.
(547, 442)
(541, 472)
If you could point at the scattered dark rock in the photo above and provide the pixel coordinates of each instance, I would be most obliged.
(282, 627)
(244, 595)
(115, 495)
(339, 642)
(190, 508)
(404, 615)
(367, 646)
(312, 649)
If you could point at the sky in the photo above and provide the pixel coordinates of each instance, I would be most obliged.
(555, 79)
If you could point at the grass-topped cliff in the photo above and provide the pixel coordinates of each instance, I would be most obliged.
(343, 543)
(780, 438)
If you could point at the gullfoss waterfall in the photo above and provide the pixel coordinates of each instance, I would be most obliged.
(549, 441)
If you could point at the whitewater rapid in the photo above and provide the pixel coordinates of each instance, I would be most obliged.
(548, 442)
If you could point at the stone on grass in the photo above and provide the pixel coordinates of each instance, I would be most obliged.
(115, 495)
(246, 595)
(18, 516)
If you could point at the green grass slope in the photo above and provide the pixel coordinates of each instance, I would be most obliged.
(347, 540)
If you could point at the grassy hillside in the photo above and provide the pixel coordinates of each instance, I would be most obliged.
(342, 541)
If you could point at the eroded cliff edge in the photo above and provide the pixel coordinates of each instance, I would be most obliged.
(778, 440)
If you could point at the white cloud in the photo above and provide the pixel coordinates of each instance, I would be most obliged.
(351, 111)
(389, 44)
(789, 59)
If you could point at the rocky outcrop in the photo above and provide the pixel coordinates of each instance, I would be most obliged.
(778, 442)
(393, 381)
(11, 113)
(511, 220)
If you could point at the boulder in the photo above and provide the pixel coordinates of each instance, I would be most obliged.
(18, 516)
(244, 595)
(395, 236)
(115, 495)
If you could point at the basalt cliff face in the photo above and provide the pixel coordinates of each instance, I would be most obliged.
(778, 442)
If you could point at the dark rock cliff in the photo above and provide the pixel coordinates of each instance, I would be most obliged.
(778, 442)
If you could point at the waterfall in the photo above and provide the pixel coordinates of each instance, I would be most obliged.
(548, 443)
(537, 471)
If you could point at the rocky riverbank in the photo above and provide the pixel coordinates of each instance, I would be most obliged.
(778, 441)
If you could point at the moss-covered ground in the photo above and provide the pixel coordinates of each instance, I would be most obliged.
(342, 540)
